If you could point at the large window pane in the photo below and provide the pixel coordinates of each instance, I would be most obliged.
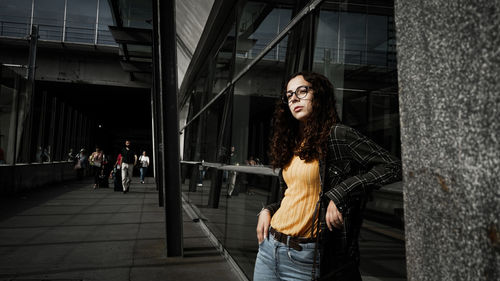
(49, 16)
(352, 37)
(259, 23)
(353, 50)
(105, 19)
(255, 97)
(15, 17)
(81, 21)
(135, 13)
(12, 102)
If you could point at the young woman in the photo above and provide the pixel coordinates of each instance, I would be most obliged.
(144, 164)
(327, 169)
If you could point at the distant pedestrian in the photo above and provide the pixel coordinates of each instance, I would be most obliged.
(97, 164)
(71, 155)
(129, 160)
(81, 163)
(116, 174)
(232, 174)
(144, 164)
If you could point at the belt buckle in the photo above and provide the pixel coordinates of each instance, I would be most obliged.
(292, 243)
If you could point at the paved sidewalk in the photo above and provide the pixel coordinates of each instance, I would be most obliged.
(72, 232)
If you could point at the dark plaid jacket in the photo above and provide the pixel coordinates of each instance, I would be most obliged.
(353, 166)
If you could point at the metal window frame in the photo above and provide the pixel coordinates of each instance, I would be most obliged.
(311, 6)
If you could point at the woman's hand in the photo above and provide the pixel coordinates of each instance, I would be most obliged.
(333, 217)
(263, 225)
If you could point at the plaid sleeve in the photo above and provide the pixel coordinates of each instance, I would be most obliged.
(381, 167)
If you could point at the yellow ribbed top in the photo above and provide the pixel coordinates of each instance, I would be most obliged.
(294, 217)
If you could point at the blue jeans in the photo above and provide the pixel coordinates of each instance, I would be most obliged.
(276, 261)
(144, 170)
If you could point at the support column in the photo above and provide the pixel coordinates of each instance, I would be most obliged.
(62, 150)
(158, 159)
(449, 84)
(216, 176)
(170, 125)
(51, 147)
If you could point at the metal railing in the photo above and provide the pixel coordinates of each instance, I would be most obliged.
(68, 32)
(328, 55)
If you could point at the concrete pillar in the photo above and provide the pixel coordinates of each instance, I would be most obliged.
(449, 83)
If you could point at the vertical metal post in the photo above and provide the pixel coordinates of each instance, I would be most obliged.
(67, 132)
(27, 146)
(32, 14)
(216, 176)
(17, 97)
(64, 21)
(158, 159)
(170, 126)
(96, 24)
(41, 123)
(61, 149)
(74, 138)
(52, 131)
(338, 35)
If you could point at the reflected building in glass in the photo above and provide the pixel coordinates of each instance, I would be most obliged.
(237, 76)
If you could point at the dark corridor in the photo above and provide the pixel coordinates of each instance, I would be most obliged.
(116, 113)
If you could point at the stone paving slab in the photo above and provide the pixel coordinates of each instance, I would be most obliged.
(72, 232)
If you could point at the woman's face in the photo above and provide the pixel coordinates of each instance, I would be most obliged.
(301, 109)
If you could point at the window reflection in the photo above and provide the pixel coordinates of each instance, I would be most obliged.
(353, 46)
(134, 12)
(354, 49)
(15, 18)
(80, 21)
(255, 95)
(49, 15)
(12, 92)
(105, 19)
(260, 23)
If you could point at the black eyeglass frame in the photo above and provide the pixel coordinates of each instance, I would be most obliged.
(286, 99)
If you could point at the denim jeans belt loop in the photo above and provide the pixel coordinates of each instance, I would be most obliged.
(291, 241)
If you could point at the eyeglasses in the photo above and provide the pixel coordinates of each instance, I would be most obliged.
(301, 92)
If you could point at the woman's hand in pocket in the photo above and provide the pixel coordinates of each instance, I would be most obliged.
(263, 225)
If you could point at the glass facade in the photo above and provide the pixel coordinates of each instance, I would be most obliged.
(15, 17)
(355, 49)
(37, 128)
(81, 21)
(231, 101)
(49, 16)
(74, 21)
(12, 86)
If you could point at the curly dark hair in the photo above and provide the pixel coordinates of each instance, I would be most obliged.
(286, 141)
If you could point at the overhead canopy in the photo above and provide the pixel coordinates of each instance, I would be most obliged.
(133, 33)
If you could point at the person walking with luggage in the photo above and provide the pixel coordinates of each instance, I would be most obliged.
(129, 160)
(116, 174)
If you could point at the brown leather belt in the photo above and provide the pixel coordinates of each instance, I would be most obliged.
(291, 241)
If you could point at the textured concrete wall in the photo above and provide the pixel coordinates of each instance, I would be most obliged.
(449, 81)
